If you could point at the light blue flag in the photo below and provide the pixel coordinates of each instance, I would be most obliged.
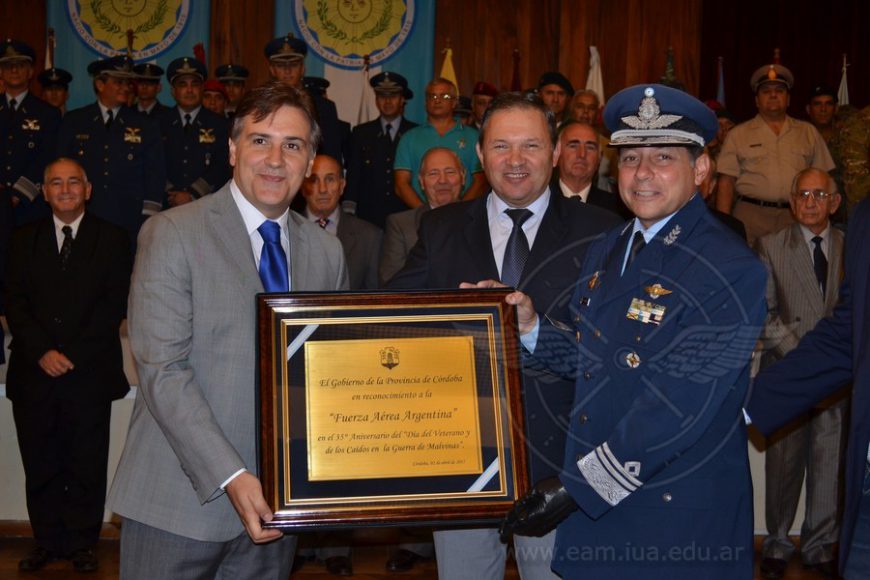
(87, 30)
(398, 36)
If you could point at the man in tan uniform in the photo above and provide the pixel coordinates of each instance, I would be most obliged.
(760, 157)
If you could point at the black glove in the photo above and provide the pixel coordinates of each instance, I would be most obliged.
(539, 511)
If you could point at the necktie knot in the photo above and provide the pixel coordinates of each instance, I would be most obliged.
(270, 231)
(519, 216)
(67, 231)
(817, 240)
(389, 129)
(187, 120)
(323, 222)
(13, 104)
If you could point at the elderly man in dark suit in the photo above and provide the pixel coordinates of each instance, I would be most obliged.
(527, 236)
(578, 168)
(441, 177)
(361, 240)
(187, 486)
(67, 285)
(827, 358)
(805, 265)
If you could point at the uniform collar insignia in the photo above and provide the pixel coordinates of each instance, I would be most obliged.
(672, 235)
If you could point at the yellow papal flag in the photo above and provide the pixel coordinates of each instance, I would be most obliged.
(447, 71)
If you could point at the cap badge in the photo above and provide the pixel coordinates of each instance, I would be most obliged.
(649, 114)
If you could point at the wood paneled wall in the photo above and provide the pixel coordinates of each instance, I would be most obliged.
(240, 30)
(632, 37)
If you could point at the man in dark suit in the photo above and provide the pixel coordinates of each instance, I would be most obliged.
(526, 236)
(119, 148)
(578, 169)
(29, 128)
(361, 240)
(828, 357)
(442, 176)
(663, 319)
(370, 192)
(804, 261)
(66, 292)
(194, 138)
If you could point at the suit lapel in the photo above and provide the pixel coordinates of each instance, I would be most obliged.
(346, 235)
(46, 244)
(228, 228)
(478, 241)
(84, 244)
(550, 234)
(300, 252)
(835, 269)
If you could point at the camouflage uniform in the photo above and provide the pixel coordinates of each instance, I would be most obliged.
(852, 146)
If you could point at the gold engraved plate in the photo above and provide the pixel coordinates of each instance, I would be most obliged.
(387, 411)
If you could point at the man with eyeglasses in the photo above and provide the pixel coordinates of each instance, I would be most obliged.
(441, 129)
(760, 157)
(805, 265)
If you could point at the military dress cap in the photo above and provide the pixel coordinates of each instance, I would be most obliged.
(656, 115)
(227, 73)
(116, 66)
(390, 83)
(12, 50)
(485, 88)
(54, 77)
(315, 85)
(556, 78)
(823, 90)
(286, 48)
(186, 65)
(215, 86)
(148, 71)
(771, 73)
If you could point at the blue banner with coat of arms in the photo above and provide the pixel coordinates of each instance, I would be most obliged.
(394, 35)
(87, 30)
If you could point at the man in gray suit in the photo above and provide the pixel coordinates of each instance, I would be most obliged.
(360, 239)
(441, 178)
(805, 264)
(186, 486)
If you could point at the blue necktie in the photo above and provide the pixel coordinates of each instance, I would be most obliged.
(516, 251)
(273, 261)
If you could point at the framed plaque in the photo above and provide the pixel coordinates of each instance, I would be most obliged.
(389, 408)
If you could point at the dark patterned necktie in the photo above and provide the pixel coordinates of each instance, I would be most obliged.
(638, 243)
(517, 250)
(273, 260)
(66, 247)
(820, 264)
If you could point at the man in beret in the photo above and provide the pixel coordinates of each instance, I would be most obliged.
(147, 84)
(481, 96)
(664, 316)
(55, 87)
(214, 97)
(286, 56)
(194, 138)
(29, 127)
(556, 90)
(234, 77)
(119, 148)
(760, 157)
(370, 192)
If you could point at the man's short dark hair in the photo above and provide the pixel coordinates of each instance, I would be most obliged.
(266, 99)
(514, 100)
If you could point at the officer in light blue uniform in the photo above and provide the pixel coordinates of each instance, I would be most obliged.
(28, 126)
(665, 316)
(119, 148)
(195, 140)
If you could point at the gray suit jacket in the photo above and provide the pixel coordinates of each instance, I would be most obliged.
(362, 249)
(794, 300)
(193, 339)
(400, 236)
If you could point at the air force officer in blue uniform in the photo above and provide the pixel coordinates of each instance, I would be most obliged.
(666, 312)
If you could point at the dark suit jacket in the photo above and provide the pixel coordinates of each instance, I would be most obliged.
(400, 235)
(827, 358)
(361, 242)
(605, 199)
(454, 246)
(370, 171)
(77, 312)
